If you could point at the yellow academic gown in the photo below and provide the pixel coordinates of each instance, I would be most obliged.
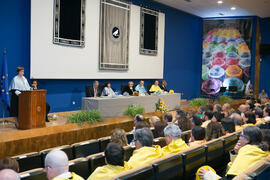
(247, 156)
(175, 146)
(74, 177)
(145, 155)
(107, 171)
(249, 124)
(154, 88)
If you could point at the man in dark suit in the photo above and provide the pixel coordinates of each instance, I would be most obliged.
(129, 89)
(93, 91)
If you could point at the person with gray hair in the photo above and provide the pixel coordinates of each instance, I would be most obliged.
(238, 121)
(56, 165)
(173, 139)
(145, 151)
(9, 174)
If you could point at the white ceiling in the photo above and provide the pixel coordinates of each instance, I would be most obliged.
(210, 8)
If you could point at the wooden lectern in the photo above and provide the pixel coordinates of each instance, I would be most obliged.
(32, 109)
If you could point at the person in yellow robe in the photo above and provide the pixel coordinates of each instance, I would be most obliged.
(249, 150)
(145, 151)
(155, 87)
(114, 159)
(173, 139)
(56, 165)
(197, 136)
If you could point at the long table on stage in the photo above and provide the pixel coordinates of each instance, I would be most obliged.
(115, 106)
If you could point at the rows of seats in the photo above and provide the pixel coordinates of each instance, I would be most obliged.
(184, 165)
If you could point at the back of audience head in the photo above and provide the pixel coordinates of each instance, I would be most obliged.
(119, 136)
(172, 132)
(228, 125)
(209, 107)
(167, 117)
(217, 116)
(217, 108)
(202, 109)
(56, 163)
(9, 174)
(158, 129)
(266, 137)
(237, 118)
(138, 118)
(9, 163)
(266, 112)
(114, 154)
(208, 115)
(198, 133)
(258, 112)
(143, 137)
(141, 124)
(196, 121)
(214, 130)
(180, 114)
(153, 120)
(249, 118)
(191, 113)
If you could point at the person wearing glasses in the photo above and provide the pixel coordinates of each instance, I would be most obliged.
(57, 168)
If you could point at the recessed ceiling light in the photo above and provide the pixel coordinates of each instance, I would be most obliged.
(233, 8)
(220, 2)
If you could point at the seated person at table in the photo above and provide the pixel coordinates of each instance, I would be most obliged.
(129, 89)
(163, 85)
(57, 168)
(197, 136)
(173, 140)
(48, 107)
(93, 91)
(249, 150)
(263, 95)
(107, 91)
(154, 88)
(140, 88)
(145, 151)
(114, 159)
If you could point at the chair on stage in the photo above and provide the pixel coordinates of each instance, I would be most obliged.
(168, 167)
(80, 166)
(103, 143)
(96, 160)
(66, 148)
(34, 174)
(29, 161)
(85, 148)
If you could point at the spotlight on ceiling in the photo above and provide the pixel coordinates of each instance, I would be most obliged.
(220, 2)
(233, 8)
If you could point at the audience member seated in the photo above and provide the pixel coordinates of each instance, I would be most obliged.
(214, 129)
(242, 109)
(263, 95)
(251, 103)
(137, 119)
(141, 124)
(249, 150)
(196, 121)
(158, 129)
(183, 122)
(56, 165)
(119, 136)
(93, 91)
(249, 119)
(9, 163)
(145, 151)
(266, 138)
(153, 120)
(167, 118)
(128, 90)
(227, 110)
(197, 136)
(191, 113)
(228, 125)
(155, 88)
(238, 121)
(173, 140)
(141, 89)
(9, 174)
(208, 115)
(249, 89)
(259, 114)
(163, 86)
(201, 111)
(266, 114)
(114, 159)
(107, 91)
(217, 108)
